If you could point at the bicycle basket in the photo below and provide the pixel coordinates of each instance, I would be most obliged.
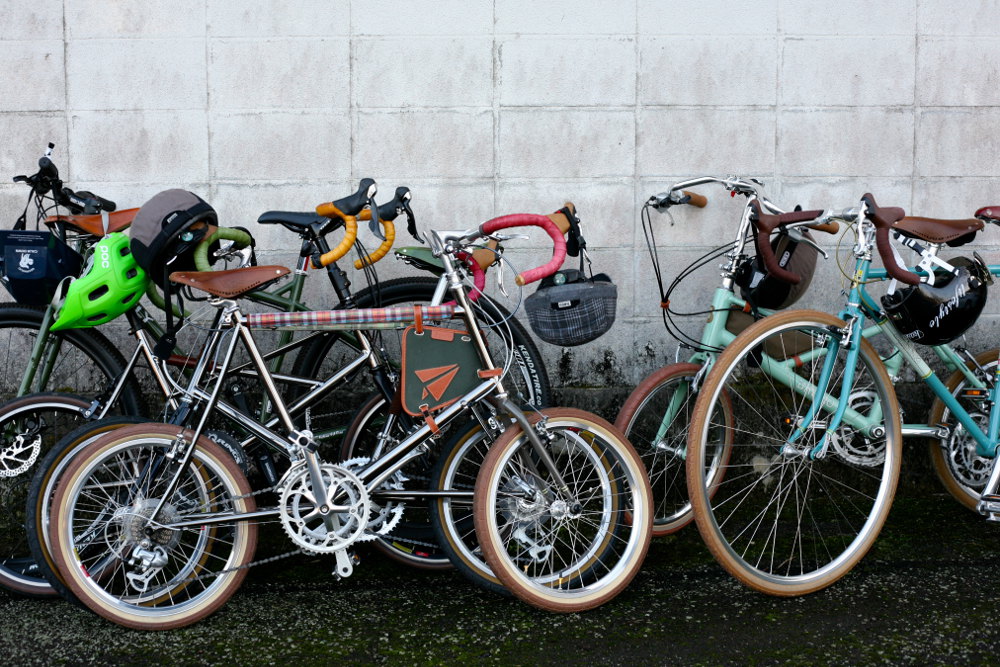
(570, 309)
(766, 291)
(33, 264)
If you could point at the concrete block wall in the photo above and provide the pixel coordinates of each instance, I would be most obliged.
(486, 107)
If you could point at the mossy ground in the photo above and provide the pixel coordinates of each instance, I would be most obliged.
(926, 593)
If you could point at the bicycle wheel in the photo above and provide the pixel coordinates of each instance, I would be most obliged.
(567, 546)
(655, 419)
(452, 518)
(77, 361)
(789, 518)
(29, 427)
(151, 579)
(962, 472)
(42, 488)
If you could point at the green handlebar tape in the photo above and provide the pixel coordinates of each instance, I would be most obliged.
(239, 238)
(157, 299)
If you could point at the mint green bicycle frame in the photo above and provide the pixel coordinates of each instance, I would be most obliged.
(716, 336)
(859, 306)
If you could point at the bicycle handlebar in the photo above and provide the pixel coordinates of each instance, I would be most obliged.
(883, 218)
(387, 214)
(766, 224)
(350, 236)
(240, 239)
(350, 206)
(389, 230)
(531, 220)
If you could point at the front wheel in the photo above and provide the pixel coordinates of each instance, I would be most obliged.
(29, 428)
(570, 533)
(113, 535)
(797, 505)
(655, 419)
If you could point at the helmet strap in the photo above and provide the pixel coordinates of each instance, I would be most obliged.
(168, 341)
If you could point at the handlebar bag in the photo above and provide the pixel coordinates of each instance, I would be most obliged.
(32, 263)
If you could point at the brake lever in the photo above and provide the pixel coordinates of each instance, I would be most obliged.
(373, 222)
(500, 238)
(411, 223)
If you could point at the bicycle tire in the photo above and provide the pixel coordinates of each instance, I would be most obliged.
(556, 552)
(961, 471)
(663, 446)
(453, 519)
(101, 549)
(48, 472)
(86, 359)
(843, 493)
(29, 428)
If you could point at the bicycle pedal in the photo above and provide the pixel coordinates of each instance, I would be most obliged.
(989, 506)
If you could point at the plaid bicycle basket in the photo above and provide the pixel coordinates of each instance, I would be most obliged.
(32, 263)
(570, 309)
(439, 366)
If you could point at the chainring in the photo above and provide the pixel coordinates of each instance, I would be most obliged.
(383, 518)
(850, 444)
(305, 523)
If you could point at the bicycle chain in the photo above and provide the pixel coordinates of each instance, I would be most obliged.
(246, 566)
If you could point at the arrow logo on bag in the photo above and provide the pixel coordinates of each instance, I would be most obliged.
(437, 379)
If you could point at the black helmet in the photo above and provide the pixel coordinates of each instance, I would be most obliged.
(763, 290)
(166, 230)
(940, 313)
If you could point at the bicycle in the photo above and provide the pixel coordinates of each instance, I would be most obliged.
(809, 484)
(309, 373)
(656, 414)
(184, 494)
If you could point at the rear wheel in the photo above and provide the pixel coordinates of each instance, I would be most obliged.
(961, 470)
(42, 489)
(797, 505)
(119, 554)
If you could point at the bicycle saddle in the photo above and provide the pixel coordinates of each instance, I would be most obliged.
(952, 232)
(297, 222)
(93, 224)
(232, 283)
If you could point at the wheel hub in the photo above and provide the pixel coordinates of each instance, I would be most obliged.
(136, 529)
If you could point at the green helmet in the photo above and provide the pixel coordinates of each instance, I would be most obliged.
(111, 283)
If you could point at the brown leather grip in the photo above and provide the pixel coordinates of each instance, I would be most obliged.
(884, 218)
(889, 259)
(560, 220)
(771, 262)
(695, 199)
(830, 227)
